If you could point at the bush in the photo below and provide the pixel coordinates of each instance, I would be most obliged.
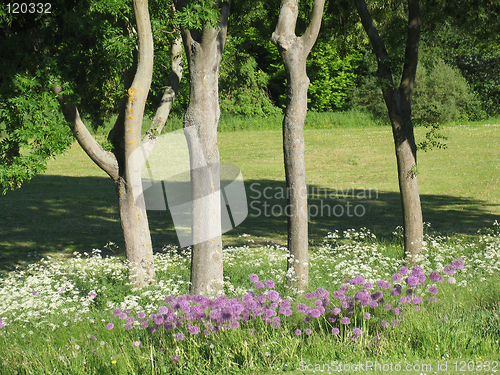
(442, 95)
(242, 85)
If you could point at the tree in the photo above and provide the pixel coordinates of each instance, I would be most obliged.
(123, 164)
(34, 128)
(398, 102)
(294, 51)
(204, 43)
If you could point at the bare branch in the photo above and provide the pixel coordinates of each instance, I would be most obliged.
(104, 159)
(168, 98)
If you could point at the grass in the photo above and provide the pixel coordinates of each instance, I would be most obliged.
(54, 324)
(60, 328)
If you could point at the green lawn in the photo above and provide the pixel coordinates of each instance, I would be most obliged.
(55, 314)
(73, 207)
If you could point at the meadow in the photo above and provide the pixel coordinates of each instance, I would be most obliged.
(66, 307)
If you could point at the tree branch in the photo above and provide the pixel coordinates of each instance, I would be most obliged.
(384, 69)
(309, 37)
(284, 34)
(411, 52)
(104, 159)
(168, 98)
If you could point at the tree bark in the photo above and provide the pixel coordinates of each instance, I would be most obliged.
(294, 51)
(204, 53)
(398, 102)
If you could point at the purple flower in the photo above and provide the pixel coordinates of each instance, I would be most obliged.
(345, 320)
(396, 291)
(175, 358)
(286, 311)
(452, 280)
(322, 293)
(416, 271)
(332, 319)
(458, 264)
(110, 326)
(273, 295)
(141, 314)
(436, 277)
(298, 332)
(92, 294)
(373, 304)
(404, 299)
(301, 308)
(254, 278)
(449, 270)
(384, 323)
(432, 299)
(336, 311)
(367, 316)
(270, 284)
(368, 286)
(315, 313)
(1, 323)
(433, 290)
(377, 296)
(412, 281)
(309, 331)
(396, 311)
(344, 288)
(339, 295)
(137, 344)
(396, 277)
(116, 312)
(261, 297)
(335, 331)
(194, 330)
(395, 323)
(416, 300)
(383, 284)
(163, 310)
(356, 331)
(179, 336)
(357, 280)
(404, 270)
(130, 320)
(145, 324)
(259, 285)
(387, 307)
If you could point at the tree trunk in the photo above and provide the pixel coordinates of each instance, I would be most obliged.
(294, 51)
(398, 102)
(204, 53)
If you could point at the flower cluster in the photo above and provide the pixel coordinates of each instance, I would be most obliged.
(197, 313)
(357, 300)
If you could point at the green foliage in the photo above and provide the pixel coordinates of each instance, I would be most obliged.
(197, 14)
(332, 76)
(442, 95)
(242, 85)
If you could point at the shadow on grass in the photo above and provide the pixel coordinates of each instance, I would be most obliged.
(57, 214)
